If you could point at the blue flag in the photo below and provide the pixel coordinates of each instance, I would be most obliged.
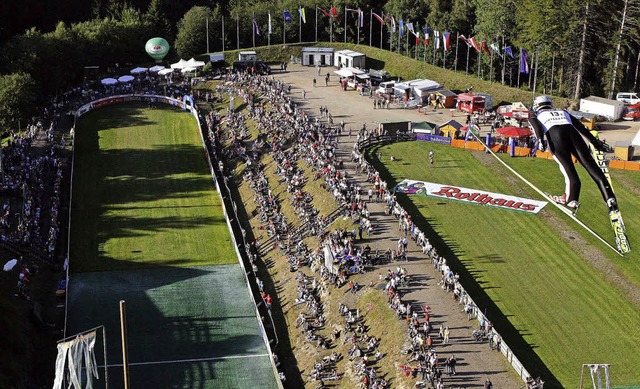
(524, 61)
(256, 30)
(509, 52)
(401, 27)
(287, 17)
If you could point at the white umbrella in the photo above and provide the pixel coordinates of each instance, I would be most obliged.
(165, 72)
(10, 265)
(139, 70)
(156, 68)
(189, 69)
(109, 81)
(125, 78)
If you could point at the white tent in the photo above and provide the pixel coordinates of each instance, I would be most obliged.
(109, 81)
(164, 72)
(125, 78)
(348, 72)
(179, 65)
(192, 63)
(156, 68)
(188, 70)
(138, 70)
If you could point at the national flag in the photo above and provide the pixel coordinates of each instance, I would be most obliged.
(462, 37)
(472, 41)
(256, 30)
(393, 24)
(524, 61)
(378, 18)
(426, 30)
(325, 12)
(495, 48)
(269, 22)
(334, 13)
(360, 18)
(410, 28)
(401, 27)
(287, 17)
(446, 39)
(436, 38)
(418, 38)
(302, 15)
(483, 44)
(509, 52)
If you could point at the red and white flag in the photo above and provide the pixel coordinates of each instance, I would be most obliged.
(378, 18)
(473, 43)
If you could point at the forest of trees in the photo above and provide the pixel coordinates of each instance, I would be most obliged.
(575, 48)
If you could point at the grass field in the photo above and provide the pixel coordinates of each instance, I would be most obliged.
(142, 193)
(541, 278)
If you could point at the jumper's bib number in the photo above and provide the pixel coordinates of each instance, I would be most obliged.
(554, 118)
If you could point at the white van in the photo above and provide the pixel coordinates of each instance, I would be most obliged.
(629, 98)
(385, 88)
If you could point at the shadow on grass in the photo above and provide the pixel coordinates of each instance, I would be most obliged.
(171, 343)
(451, 251)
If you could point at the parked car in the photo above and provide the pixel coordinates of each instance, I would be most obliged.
(629, 98)
(631, 112)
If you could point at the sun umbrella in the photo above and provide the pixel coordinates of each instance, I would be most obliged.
(514, 132)
(156, 68)
(109, 81)
(164, 72)
(139, 70)
(125, 78)
(10, 265)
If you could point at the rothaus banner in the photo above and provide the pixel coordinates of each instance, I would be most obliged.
(474, 196)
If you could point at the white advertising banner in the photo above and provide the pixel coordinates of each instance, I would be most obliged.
(474, 196)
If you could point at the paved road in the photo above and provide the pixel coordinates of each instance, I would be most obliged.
(476, 361)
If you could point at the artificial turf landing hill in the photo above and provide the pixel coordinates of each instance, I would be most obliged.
(143, 194)
(542, 278)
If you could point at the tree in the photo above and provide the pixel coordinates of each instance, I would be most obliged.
(158, 21)
(191, 38)
(17, 98)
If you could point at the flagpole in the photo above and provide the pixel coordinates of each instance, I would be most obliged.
(479, 60)
(436, 39)
(207, 24)
(284, 30)
(519, 68)
(444, 60)
(253, 29)
(425, 50)
(222, 34)
(553, 63)
(345, 24)
(330, 29)
(371, 26)
(238, 31)
(504, 61)
(382, 29)
(491, 66)
(535, 74)
(407, 36)
(455, 64)
(316, 22)
(299, 25)
(466, 72)
(269, 32)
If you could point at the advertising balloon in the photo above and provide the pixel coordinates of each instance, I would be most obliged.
(157, 48)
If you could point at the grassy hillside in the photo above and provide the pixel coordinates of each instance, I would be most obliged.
(540, 277)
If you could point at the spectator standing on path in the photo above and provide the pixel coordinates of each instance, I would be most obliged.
(430, 158)
(304, 94)
(318, 67)
(314, 82)
(445, 339)
(488, 384)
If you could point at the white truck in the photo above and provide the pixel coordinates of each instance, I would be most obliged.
(610, 110)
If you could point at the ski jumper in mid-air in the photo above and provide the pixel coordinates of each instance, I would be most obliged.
(564, 134)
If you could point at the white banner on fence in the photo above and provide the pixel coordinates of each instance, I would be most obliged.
(451, 192)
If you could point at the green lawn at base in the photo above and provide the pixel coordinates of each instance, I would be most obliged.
(563, 308)
(143, 194)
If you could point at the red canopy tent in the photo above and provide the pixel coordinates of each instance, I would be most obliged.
(514, 132)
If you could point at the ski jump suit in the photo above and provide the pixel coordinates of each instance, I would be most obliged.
(563, 136)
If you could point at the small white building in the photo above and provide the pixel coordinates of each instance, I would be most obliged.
(349, 58)
(317, 56)
(247, 56)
